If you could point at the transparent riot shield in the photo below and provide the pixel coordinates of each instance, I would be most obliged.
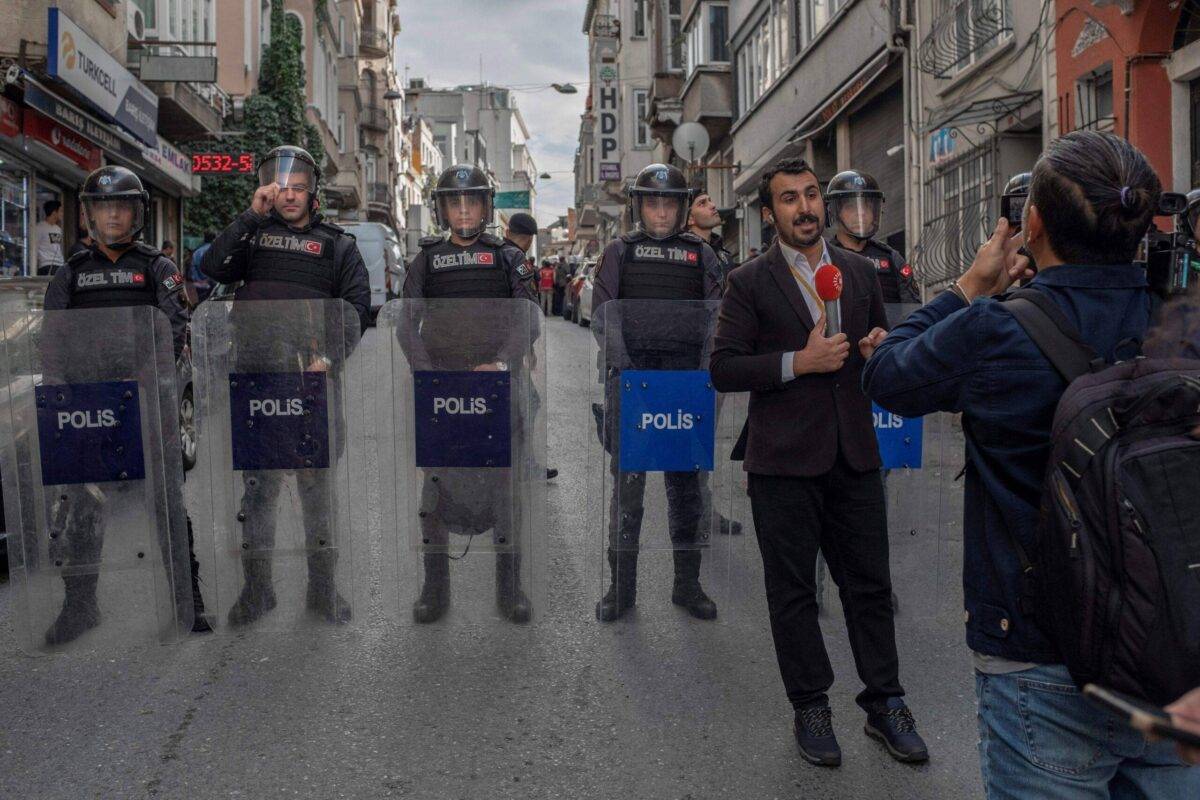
(89, 431)
(462, 443)
(281, 482)
(658, 493)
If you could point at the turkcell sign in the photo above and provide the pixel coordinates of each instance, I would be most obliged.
(280, 420)
(75, 58)
(899, 439)
(90, 432)
(463, 419)
(667, 421)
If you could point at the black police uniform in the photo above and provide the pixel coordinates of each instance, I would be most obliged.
(895, 275)
(141, 275)
(724, 257)
(275, 261)
(680, 267)
(488, 267)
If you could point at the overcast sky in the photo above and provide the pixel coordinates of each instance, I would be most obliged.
(522, 42)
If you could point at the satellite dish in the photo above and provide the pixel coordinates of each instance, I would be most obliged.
(690, 141)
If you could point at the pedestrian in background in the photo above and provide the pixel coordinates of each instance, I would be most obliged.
(49, 237)
(546, 287)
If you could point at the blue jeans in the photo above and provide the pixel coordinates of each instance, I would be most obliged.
(1040, 738)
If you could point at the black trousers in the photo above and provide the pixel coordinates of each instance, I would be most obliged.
(840, 513)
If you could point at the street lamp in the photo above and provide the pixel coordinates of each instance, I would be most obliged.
(392, 94)
(545, 176)
(565, 88)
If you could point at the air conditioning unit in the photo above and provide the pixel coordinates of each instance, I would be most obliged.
(135, 22)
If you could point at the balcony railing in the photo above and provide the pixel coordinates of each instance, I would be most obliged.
(372, 42)
(963, 31)
(379, 193)
(373, 117)
(606, 26)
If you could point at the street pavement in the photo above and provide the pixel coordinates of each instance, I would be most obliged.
(655, 706)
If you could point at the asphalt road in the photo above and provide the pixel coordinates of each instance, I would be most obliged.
(656, 706)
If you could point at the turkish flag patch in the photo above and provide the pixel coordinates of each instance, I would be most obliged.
(885, 264)
(313, 246)
(486, 258)
(906, 271)
(139, 277)
(693, 257)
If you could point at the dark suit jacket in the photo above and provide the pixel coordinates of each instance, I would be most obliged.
(796, 428)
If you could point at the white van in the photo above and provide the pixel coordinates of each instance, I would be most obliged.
(384, 258)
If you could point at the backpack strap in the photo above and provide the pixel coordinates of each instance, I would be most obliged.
(1052, 332)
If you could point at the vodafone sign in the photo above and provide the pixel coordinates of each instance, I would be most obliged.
(61, 140)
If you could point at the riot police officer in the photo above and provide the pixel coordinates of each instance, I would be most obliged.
(281, 248)
(469, 263)
(678, 266)
(116, 269)
(855, 205)
(703, 219)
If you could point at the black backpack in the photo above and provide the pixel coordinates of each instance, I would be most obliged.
(1115, 582)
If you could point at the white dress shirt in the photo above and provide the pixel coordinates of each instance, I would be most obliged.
(800, 262)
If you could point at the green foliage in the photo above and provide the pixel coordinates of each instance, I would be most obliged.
(273, 116)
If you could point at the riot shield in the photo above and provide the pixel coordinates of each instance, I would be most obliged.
(657, 490)
(280, 473)
(93, 478)
(461, 428)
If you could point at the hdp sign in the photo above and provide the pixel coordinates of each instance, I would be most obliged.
(667, 421)
(280, 420)
(90, 432)
(899, 439)
(463, 419)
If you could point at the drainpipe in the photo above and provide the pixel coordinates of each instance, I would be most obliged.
(912, 90)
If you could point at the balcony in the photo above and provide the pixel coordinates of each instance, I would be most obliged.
(379, 194)
(374, 118)
(965, 32)
(708, 99)
(372, 42)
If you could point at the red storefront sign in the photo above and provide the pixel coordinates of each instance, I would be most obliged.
(62, 140)
(10, 117)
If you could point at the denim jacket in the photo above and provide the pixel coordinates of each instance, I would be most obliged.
(977, 360)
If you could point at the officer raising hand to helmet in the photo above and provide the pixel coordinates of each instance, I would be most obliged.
(856, 208)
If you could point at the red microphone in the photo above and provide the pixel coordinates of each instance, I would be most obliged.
(829, 289)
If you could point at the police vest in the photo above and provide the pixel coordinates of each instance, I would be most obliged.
(886, 268)
(97, 282)
(306, 258)
(475, 271)
(670, 269)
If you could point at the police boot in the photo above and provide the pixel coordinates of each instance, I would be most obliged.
(435, 593)
(323, 598)
(79, 613)
(687, 591)
(258, 595)
(622, 592)
(510, 599)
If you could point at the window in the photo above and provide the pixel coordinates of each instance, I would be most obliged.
(1094, 99)
(264, 24)
(972, 29)
(763, 56)
(959, 197)
(341, 131)
(343, 45)
(706, 36)
(639, 17)
(641, 110)
(674, 43)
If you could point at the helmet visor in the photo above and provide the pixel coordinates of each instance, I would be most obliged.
(857, 215)
(113, 220)
(466, 214)
(289, 172)
(660, 216)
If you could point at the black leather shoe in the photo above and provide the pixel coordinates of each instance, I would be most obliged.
(324, 601)
(693, 598)
(551, 473)
(729, 527)
(893, 725)
(814, 734)
(615, 604)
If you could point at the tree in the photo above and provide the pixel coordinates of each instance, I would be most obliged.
(272, 116)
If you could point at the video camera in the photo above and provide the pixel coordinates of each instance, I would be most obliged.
(1171, 260)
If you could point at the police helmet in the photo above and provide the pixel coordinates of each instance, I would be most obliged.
(115, 205)
(855, 203)
(463, 201)
(288, 165)
(658, 186)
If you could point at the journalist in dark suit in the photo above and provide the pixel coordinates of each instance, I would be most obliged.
(813, 462)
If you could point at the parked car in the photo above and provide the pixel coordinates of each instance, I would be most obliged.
(384, 258)
(575, 288)
(584, 315)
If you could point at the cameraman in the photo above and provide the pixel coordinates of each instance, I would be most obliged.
(1090, 203)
